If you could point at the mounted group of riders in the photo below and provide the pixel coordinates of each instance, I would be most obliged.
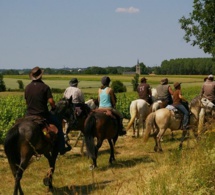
(38, 95)
(174, 98)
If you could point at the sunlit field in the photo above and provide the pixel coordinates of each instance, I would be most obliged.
(91, 83)
(138, 170)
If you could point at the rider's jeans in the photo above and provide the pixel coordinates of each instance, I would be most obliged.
(185, 112)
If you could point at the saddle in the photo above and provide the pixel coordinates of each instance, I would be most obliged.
(175, 112)
(82, 109)
(49, 130)
(108, 112)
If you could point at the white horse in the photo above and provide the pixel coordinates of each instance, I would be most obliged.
(159, 121)
(92, 103)
(139, 110)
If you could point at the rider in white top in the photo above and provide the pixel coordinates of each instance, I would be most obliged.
(75, 92)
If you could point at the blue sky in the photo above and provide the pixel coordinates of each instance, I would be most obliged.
(83, 33)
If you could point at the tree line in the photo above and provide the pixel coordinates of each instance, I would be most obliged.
(181, 66)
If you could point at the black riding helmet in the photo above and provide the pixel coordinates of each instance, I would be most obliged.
(105, 81)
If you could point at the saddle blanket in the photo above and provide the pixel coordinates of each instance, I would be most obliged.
(170, 107)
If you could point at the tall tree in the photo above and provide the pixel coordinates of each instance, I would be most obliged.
(2, 85)
(200, 26)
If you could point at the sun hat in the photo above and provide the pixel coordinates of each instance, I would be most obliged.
(143, 79)
(210, 76)
(73, 82)
(176, 84)
(105, 80)
(164, 81)
(36, 73)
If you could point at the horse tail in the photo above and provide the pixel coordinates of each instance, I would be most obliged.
(90, 125)
(11, 147)
(133, 113)
(150, 125)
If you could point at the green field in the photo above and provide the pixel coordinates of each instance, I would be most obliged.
(90, 84)
(138, 169)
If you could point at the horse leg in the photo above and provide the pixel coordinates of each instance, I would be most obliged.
(184, 133)
(52, 160)
(158, 138)
(82, 146)
(25, 158)
(156, 143)
(112, 157)
(98, 145)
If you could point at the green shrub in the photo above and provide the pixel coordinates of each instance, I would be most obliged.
(118, 86)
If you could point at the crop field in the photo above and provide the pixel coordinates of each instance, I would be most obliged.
(138, 169)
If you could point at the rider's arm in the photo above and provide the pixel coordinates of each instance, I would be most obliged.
(181, 97)
(112, 97)
(170, 90)
(52, 103)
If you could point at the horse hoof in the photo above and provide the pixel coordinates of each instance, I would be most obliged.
(92, 167)
(46, 181)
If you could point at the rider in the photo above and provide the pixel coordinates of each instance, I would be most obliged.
(178, 100)
(165, 92)
(208, 89)
(107, 100)
(144, 90)
(37, 95)
(77, 95)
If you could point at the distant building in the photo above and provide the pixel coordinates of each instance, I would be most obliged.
(138, 67)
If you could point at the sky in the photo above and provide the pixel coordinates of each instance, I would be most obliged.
(84, 33)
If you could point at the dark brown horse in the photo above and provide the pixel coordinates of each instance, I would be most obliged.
(28, 137)
(101, 125)
(78, 123)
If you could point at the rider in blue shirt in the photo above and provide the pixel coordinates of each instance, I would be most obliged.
(107, 100)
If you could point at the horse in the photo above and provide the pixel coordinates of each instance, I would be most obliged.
(157, 122)
(101, 125)
(93, 103)
(139, 110)
(78, 124)
(30, 136)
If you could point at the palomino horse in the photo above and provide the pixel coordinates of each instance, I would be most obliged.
(157, 122)
(139, 110)
(102, 126)
(28, 137)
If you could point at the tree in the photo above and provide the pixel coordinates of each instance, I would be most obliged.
(2, 85)
(21, 84)
(118, 86)
(135, 82)
(200, 26)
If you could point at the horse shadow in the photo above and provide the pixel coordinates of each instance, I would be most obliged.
(79, 189)
(127, 163)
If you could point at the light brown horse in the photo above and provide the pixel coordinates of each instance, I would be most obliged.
(139, 110)
(157, 122)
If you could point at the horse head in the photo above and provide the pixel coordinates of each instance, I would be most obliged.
(207, 103)
(65, 109)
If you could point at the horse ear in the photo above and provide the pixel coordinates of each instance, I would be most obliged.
(70, 99)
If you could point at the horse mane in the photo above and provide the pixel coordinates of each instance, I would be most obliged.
(194, 101)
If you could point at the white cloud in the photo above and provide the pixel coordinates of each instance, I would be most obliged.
(130, 10)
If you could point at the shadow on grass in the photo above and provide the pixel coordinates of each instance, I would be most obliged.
(127, 163)
(80, 189)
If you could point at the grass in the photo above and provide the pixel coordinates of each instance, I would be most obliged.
(137, 170)
(91, 83)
